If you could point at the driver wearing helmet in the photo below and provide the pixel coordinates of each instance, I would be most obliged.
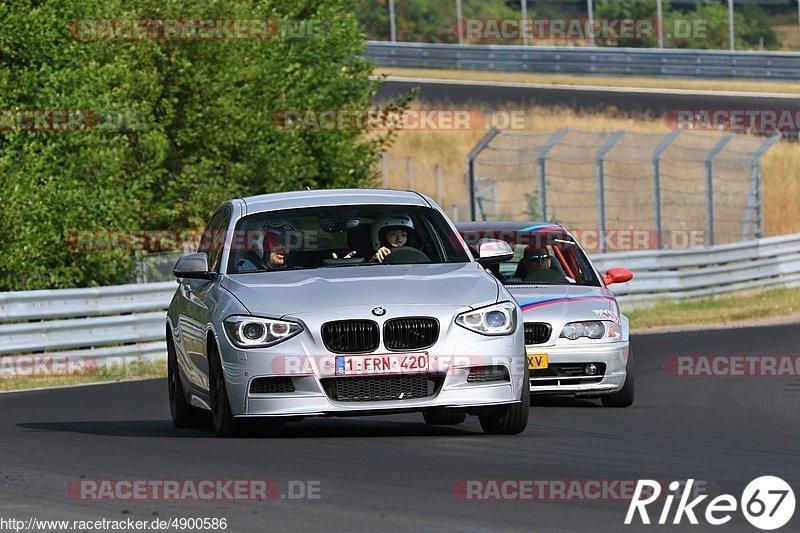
(390, 231)
(274, 248)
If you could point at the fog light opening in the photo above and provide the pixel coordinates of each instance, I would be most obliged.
(590, 369)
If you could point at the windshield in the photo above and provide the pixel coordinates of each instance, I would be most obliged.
(550, 257)
(329, 237)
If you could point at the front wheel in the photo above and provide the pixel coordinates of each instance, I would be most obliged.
(509, 419)
(224, 422)
(623, 397)
(183, 414)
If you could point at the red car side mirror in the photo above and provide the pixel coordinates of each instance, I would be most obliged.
(617, 275)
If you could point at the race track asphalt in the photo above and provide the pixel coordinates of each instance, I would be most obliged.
(394, 473)
(651, 101)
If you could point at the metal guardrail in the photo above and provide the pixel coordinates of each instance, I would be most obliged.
(99, 325)
(601, 61)
(126, 322)
(679, 274)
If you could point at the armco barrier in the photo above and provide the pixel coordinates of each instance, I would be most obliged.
(601, 61)
(101, 324)
(678, 274)
(128, 321)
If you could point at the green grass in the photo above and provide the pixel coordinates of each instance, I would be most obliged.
(134, 370)
(736, 308)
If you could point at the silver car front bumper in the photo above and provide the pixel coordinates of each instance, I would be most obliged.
(613, 355)
(296, 359)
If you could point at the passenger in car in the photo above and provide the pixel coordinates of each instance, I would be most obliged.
(535, 267)
(274, 251)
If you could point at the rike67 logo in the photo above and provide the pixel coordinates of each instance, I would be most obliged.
(767, 502)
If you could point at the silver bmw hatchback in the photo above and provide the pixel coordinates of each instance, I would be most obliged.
(343, 302)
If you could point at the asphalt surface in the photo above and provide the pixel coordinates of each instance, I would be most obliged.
(394, 473)
(651, 101)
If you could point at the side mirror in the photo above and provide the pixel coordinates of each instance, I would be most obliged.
(617, 275)
(492, 251)
(193, 266)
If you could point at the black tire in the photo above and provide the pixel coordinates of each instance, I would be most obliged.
(509, 419)
(183, 414)
(623, 397)
(224, 423)
(444, 417)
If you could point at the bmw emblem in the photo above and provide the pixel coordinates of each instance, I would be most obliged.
(378, 311)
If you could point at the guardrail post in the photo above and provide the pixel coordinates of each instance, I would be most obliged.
(710, 186)
(662, 146)
(601, 184)
(473, 154)
(541, 168)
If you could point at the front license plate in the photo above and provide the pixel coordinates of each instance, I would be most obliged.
(537, 361)
(408, 363)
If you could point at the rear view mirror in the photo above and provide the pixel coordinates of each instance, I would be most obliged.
(492, 251)
(617, 275)
(340, 225)
(193, 266)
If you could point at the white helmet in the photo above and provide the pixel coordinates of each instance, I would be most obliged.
(385, 222)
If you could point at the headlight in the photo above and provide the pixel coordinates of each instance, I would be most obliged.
(254, 332)
(497, 319)
(593, 329)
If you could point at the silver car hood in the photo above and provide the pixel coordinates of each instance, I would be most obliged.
(564, 303)
(298, 291)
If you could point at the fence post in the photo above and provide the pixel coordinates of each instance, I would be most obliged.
(392, 22)
(438, 184)
(473, 154)
(755, 211)
(410, 173)
(601, 184)
(710, 186)
(662, 146)
(541, 168)
(385, 169)
(460, 22)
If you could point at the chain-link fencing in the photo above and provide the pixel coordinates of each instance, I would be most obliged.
(674, 186)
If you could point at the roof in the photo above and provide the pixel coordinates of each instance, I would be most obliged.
(517, 227)
(331, 197)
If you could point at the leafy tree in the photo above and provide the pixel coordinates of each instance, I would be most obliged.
(430, 21)
(203, 125)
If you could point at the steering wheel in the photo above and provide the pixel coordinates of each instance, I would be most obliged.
(342, 261)
(406, 254)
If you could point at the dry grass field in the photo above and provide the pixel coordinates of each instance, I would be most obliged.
(449, 149)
